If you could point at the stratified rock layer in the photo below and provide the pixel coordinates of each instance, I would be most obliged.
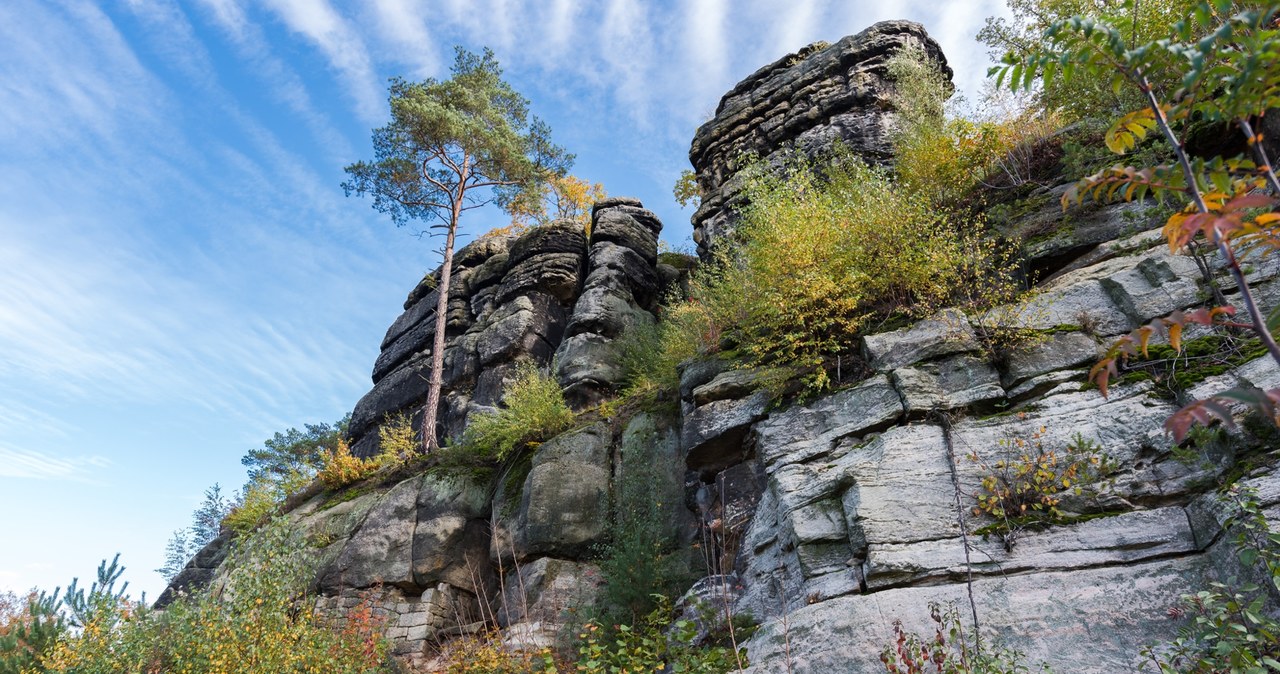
(804, 102)
(825, 520)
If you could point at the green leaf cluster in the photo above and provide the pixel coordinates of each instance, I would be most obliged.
(655, 643)
(294, 451)
(256, 620)
(534, 410)
(449, 137)
(1230, 627)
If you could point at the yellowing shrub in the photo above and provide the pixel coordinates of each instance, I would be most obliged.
(259, 623)
(535, 411)
(818, 257)
(341, 468)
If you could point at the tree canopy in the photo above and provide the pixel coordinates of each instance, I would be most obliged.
(450, 139)
(451, 146)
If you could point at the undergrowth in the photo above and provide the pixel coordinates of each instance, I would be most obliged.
(949, 650)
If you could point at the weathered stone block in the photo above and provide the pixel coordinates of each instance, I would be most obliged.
(944, 334)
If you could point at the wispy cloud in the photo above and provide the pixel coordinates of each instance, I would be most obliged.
(26, 464)
(559, 24)
(341, 45)
(403, 24)
(626, 49)
(706, 47)
(283, 82)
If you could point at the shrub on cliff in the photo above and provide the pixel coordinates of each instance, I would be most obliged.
(534, 411)
(822, 252)
(945, 157)
(258, 622)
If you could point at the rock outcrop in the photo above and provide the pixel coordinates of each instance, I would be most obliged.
(804, 102)
(823, 520)
(548, 292)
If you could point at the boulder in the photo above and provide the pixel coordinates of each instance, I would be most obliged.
(1059, 351)
(381, 551)
(564, 508)
(451, 539)
(712, 436)
(950, 383)
(804, 432)
(944, 334)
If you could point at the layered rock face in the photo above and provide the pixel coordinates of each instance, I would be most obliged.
(824, 520)
(548, 292)
(866, 509)
(804, 102)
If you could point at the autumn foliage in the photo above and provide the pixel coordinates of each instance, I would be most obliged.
(1227, 63)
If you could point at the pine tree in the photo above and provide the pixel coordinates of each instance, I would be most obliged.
(177, 552)
(294, 451)
(206, 521)
(29, 628)
(453, 146)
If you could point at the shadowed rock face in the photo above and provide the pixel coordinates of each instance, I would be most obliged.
(803, 102)
(549, 292)
(824, 519)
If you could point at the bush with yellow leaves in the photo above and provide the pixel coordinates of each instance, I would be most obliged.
(258, 621)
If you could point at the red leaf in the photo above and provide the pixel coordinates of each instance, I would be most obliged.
(1202, 412)
(1248, 201)
(1101, 372)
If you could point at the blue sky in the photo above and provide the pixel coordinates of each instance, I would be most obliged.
(180, 274)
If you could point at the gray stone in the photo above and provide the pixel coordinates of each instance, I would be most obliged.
(649, 467)
(806, 431)
(606, 311)
(1156, 286)
(1121, 425)
(944, 334)
(587, 366)
(555, 274)
(1122, 539)
(713, 435)
(527, 325)
(1048, 616)
(451, 540)
(620, 226)
(622, 268)
(952, 383)
(565, 504)
(1081, 304)
(545, 590)
(695, 373)
(1059, 351)
(1053, 240)
(559, 237)
(1060, 381)
(726, 386)
(900, 488)
(381, 551)
(403, 387)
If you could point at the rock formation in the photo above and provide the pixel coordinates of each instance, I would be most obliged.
(825, 520)
(804, 102)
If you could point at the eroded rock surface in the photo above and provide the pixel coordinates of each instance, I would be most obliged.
(807, 102)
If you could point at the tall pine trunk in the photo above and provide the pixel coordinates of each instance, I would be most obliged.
(432, 406)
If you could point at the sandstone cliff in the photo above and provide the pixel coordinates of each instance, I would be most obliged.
(825, 520)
